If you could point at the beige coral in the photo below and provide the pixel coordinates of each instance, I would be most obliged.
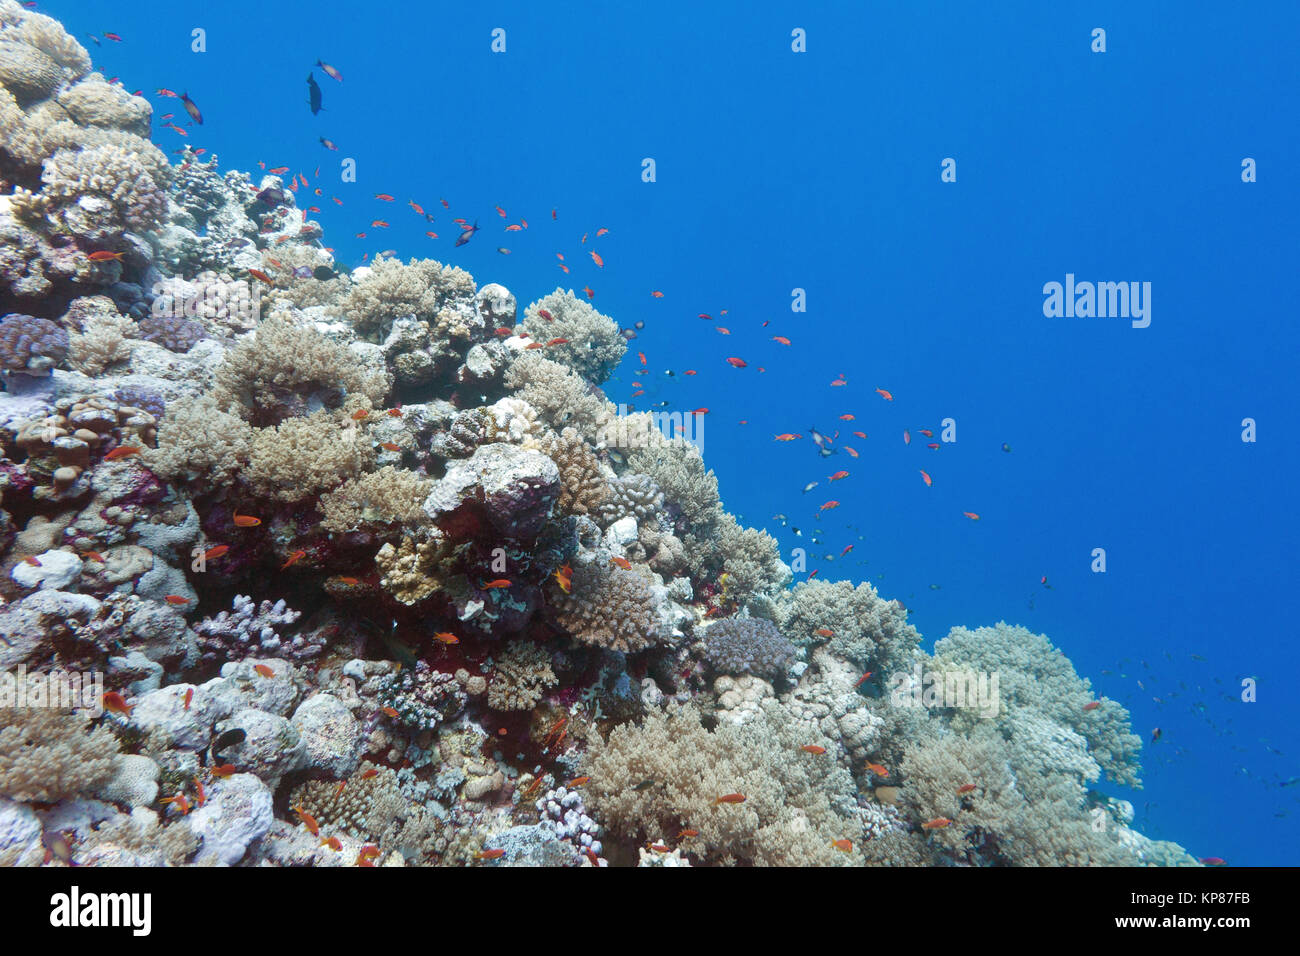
(376, 501)
(583, 487)
(522, 675)
(420, 288)
(47, 754)
(302, 457)
(197, 441)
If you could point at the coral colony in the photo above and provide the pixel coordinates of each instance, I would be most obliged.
(372, 578)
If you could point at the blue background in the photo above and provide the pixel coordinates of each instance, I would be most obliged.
(821, 171)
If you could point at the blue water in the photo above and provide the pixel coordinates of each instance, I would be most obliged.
(821, 171)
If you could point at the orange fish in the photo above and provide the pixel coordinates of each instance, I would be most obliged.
(966, 788)
(224, 770)
(175, 599)
(294, 558)
(432, 235)
(378, 224)
(657, 847)
(824, 632)
(737, 362)
(938, 823)
(828, 505)
(394, 412)
(687, 833)
(845, 844)
(860, 434)
(722, 331)
(368, 773)
(390, 446)
(359, 414)
(203, 794)
(623, 563)
(558, 342)
(498, 583)
(446, 637)
(1092, 705)
(730, 798)
(501, 212)
(179, 802)
(103, 256)
(189, 698)
(595, 257)
(885, 394)
(838, 476)
(389, 711)
(577, 782)
(490, 854)
(784, 341)
(352, 582)
(926, 432)
(933, 445)
(851, 452)
(513, 227)
(264, 670)
(657, 294)
(925, 477)
(587, 289)
(308, 820)
(384, 196)
(972, 515)
(813, 749)
(245, 521)
(116, 703)
(862, 680)
(122, 451)
(260, 276)
(94, 556)
(332, 842)
(35, 562)
(565, 582)
(878, 770)
(786, 436)
(601, 231)
(690, 371)
(533, 345)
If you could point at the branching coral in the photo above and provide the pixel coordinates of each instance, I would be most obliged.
(302, 457)
(102, 344)
(286, 368)
(47, 754)
(870, 632)
(378, 501)
(742, 645)
(128, 195)
(795, 803)
(392, 289)
(678, 468)
(199, 442)
(523, 674)
(583, 487)
(1033, 674)
(610, 608)
(560, 395)
(594, 345)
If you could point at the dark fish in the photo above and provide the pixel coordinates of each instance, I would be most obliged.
(328, 144)
(644, 785)
(467, 234)
(639, 325)
(229, 738)
(629, 334)
(191, 108)
(324, 273)
(272, 196)
(1006, 447)
(313, 94)
(1156, 735)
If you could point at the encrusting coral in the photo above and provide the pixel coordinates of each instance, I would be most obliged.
(371, 565)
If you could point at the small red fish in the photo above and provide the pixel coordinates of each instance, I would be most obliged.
(972, 515)
(595, 257)
(926, 432)
(122, 451)
(925, 477)
(175, 599)
(878, 770)
(332, 842)
(1092, 705)
(657, 294)
(490, 854)
(838, 476)
(446, 637)
(737, 362)
(938, 823)
(498, 583)
(623, 563)
(846, 845)
(966, 788)
(308, 820)
(863, 679)
(590, 294)
(294, 558)
(390, 446)
(105, 256)
(224, 770)
(885, 394)
(389, 712)
(260, 276)
(369, 773)
(558, 342)
(245, 521)
(577, 782)
(786, 436)
(813, 749)
(828, 505)
(730, 798)
(784, 341)
(115, 702)
(264, 670)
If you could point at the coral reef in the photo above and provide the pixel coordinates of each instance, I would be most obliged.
(375, 574)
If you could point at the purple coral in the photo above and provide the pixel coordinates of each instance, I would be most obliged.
(138, 396)
(174, 333)
(30, 344)
(748, 645)
(252, 629)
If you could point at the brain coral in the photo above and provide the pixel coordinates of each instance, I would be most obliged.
(741, 645)
(594, 347)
